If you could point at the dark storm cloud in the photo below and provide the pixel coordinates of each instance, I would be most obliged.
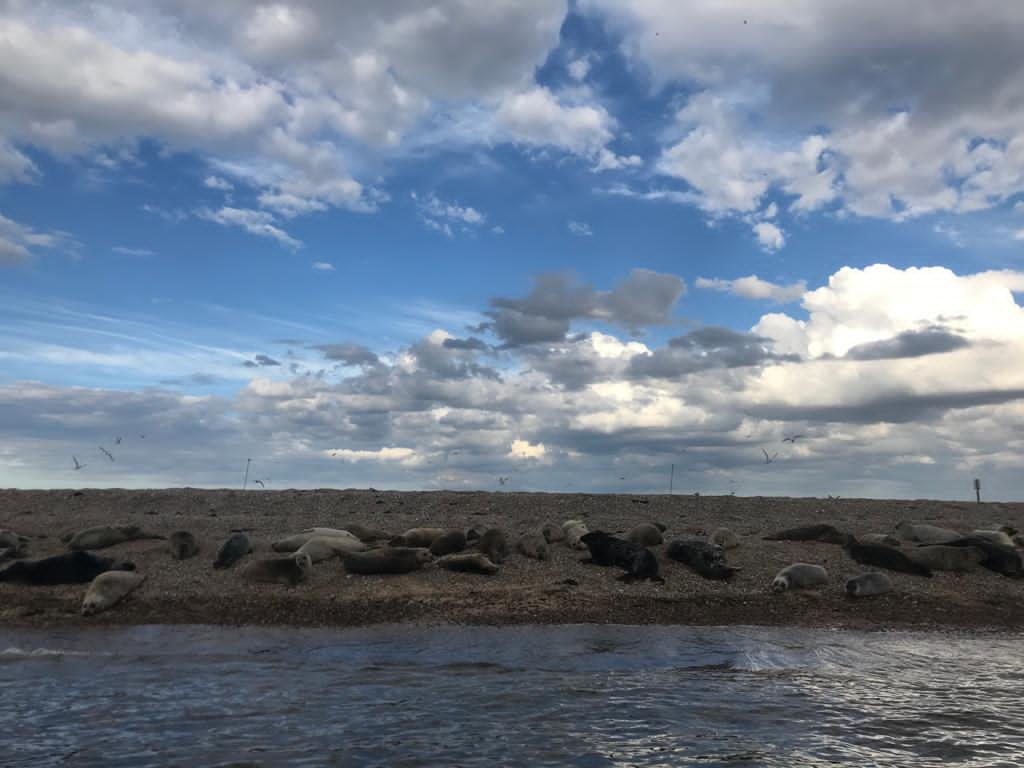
(349, 354)
(472, 344)
(703, 349)
(931, 341)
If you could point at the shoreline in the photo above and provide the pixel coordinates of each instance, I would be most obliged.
(525, 591)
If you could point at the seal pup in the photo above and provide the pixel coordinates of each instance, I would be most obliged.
(387, 560)
(448, 543)
(869, 584)
(799, 576)
(996, 557)
(646, 535)
(881, 556)
(552, 533)
(818, 532)
(183, 545)
(724, 538)
(494, 544)
(942, 557)
(533, 545)
(923, 533)
(321, 548)
(108, 589)
(476, 562)
(702, 557)
(231, 551)
(76, 567)
(574, 531)
(104, 536)
(418, 537)
(996, 537)
(607, 550)
(294, 543)
(279, 570)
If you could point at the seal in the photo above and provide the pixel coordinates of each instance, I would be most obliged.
(879, 538)
(942, 557)
(387, 560)
(552, 533)
(76, 567)
(996, 557)
(533, 545)
(104, 536)
(881, 556)
(996, 537)
(12, 546)
(279, 570)
(469, 563)
(494, 544)
(366, 533)
(638, 562)
(418, 537)
(183, 545)
(231, 551)
(922, 533)
(799, 576)
(1018, 540)
(295, 542)
(574, 531)
(702, 557)
(321, 548)
(724, 538)
(108, 589)
(869, 584)
(646, 535)
(818, 532)
(448, 543)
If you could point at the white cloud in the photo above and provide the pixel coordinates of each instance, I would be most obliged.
(522, 449)
(579, 68)
(580, 228)
(609, 161)
(18, 242)
(323, 266)
(753, 287)
(259, 223)
(769, 236)
(441, 215)
(126, 251)
(216, 182)
(15, 166)
(403, 456)
(536, 116)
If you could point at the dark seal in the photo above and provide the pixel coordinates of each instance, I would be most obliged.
(702, 557)
(78, 567)
(232, 550)
(881, 556)
(638, 562)
(819, 532)
(996, 557)
(183, 545)
(494, 544)
(448, 543)
(387, 560)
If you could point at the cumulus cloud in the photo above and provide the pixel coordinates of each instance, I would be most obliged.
(348, 354)
(753, 287)
(930, 341)
(259, 223)
(769, 236)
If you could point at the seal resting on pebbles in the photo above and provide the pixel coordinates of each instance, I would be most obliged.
(724, 538)
(638, 562)
(231, 551)
(108, 589)
(574, 531)
(881, 556)
(879, 538)
(922, 533)
(279, 570)
(996, 537)
(869, 584)
(494, 544)
(646, 535)
(995, 557)
(295, 542)
(819, 532)
(942, 557)
(183, 545)
(552, 533)
(104, 536)
(702, 557)
(70, 568)
(468, 563)
(321, 548)
(366, 533)
(387, 560)
(448, 543)
(418, 537)
(533, 545)
(799, 576)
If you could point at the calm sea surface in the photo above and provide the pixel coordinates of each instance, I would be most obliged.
(577, 695)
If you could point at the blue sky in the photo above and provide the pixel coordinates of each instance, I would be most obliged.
(437, 244)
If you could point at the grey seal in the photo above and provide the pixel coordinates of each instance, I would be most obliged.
(418, 537)
(638, 562)
(817, 532)
(104, 536)
(448, 543)
(869, 584)
(108, 589)
(552, 533)
(923, 533)
(231, 551)
(321, 548)
(294, 543)
(702, 557)
(387, 560)
(183, 545)
(574, 531)
(881, 556)
(494, 544)
(996, 557)
(476, 562)
(76, 567)
(279, 570)
(533, 545)
(799, 576)
(942, 557)
(646, 535)
(724, 538)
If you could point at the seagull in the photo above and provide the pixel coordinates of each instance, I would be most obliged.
(502, 480)
(117, 441)
(792, 438)
(142, 436)
(77, 465)
(769, 459)
(107, 453)
(260, 483)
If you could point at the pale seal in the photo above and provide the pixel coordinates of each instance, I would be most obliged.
(996, 537)
(293, 543)
(799, 576)
(468, 563)
(231, 551)
(70, 568)
(321, 548)
(494, 544)
(869, 584)
(108, 589)
(448, 543)
(552, 533)
(574, 531)
(290, 570)
(533, 545)
(638, 562)
(881, 556)
(923, 533)
(724, 538)
(387, 560)
(942, 557)
(104, 536)
(418, 537)
(183, 545)
(646, 535)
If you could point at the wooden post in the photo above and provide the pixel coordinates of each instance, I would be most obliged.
(671, 479)
(977, 489)
(245, 481)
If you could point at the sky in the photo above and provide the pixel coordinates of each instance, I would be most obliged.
(770, 248)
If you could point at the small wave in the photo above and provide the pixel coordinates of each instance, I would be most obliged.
(37, 653)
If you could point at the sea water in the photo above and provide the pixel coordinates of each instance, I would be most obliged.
(518, 696)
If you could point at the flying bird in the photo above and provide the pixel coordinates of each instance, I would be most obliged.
(769, 459)
(502, 480)
(792, 438)
(142, 436)
(259, 483)
(107, 453)
(117, 441)
(77, 465)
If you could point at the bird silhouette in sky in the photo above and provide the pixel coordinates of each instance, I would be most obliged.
(107, 453)
(502, 480)
(769, 459)
(77, 464)
(792, 438)
(259, 483)
(117, 441)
